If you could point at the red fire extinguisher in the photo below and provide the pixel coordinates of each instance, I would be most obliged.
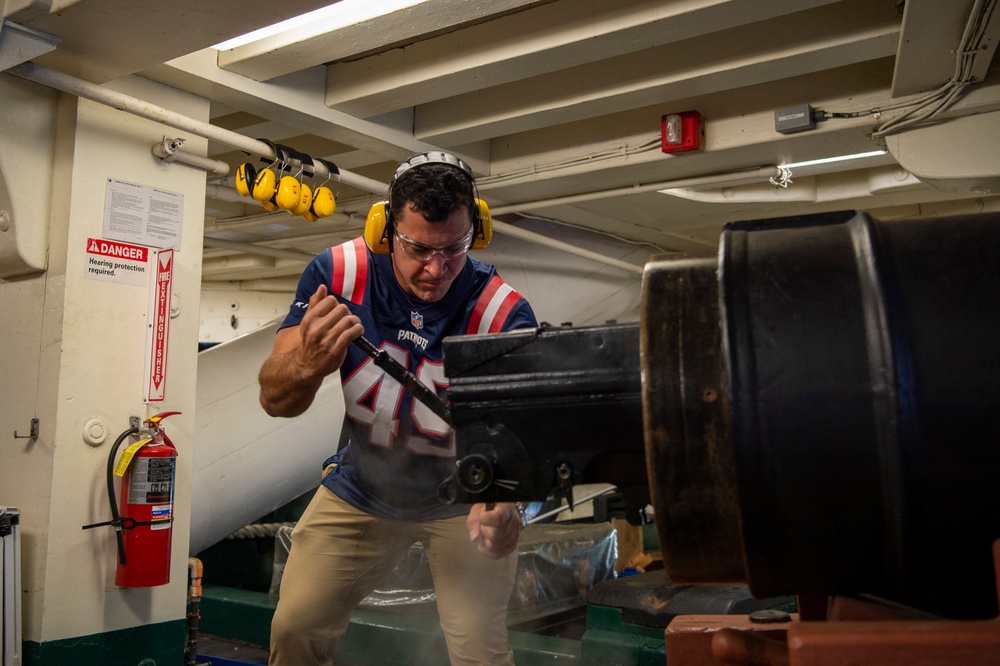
(143, 520)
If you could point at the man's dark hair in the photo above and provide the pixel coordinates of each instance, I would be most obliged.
(434, 190)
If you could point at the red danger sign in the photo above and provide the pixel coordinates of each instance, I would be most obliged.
(111, 261)
(117, 250)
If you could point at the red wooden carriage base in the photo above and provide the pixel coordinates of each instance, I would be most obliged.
(833, 631)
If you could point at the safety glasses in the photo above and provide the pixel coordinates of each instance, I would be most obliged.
(422, 252)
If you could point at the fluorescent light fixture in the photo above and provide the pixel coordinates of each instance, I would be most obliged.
(337, 15)
(839, 158)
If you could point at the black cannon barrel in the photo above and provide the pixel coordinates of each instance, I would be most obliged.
(821, 409)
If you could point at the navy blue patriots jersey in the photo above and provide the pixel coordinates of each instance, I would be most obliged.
(399, 451)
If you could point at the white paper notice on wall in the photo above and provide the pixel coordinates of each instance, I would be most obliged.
(142, 214)
(158, 326)
(112, 261)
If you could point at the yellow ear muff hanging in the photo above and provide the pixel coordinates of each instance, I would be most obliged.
(287, 196)
(484, 227)
(306, 193)
(245, 176)
(264, 185)
(323, 202)
(270, 205)
(305, 200)
(375, 228)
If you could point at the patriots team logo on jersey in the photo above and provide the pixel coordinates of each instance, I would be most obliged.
(417, 320)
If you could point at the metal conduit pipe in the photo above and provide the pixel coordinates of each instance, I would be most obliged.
(249, 248)
(135, 106)
(169, 150)
(540, 239)
(227, 194)
(270, 285)
(731, 178)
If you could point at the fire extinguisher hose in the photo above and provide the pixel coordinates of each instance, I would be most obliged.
(116, 519)
(112, 500)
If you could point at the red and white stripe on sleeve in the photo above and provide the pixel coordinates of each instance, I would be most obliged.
(493, 307)
(350, 270)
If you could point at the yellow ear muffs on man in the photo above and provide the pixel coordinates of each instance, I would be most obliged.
(484, 229)
(375, 233)
(378, 239)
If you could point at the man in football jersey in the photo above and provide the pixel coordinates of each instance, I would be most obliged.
(408, 283)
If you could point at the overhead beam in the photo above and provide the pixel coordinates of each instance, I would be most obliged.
(253, 249)
(317, 43)
(145, 33)
(814, 40)
(543, 39)
(239, 267)
(929, 42)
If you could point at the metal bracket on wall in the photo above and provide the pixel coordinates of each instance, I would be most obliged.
(135, 422)
(32, 433)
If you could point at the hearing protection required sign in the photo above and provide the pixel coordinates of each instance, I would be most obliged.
(113, 261)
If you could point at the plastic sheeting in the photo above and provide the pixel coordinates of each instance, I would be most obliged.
(557, 567)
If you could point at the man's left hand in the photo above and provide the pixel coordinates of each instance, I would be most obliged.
(497, 530)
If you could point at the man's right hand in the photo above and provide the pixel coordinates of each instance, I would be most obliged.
(304, 355)
(326, 331)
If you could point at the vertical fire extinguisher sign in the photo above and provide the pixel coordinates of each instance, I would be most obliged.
(158, 326)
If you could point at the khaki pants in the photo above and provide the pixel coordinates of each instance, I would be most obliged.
(340, 554)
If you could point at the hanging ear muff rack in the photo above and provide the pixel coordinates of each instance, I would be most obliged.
(291, 193)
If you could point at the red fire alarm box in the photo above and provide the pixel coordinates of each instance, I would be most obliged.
(683, 132)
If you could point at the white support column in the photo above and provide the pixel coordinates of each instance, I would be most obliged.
(76, 352)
